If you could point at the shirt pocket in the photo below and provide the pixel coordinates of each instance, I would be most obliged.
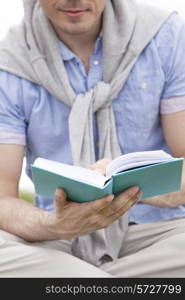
(139, 100)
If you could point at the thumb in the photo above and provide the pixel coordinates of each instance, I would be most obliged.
(60, 201)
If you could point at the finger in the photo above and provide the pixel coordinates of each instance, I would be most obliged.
(101, 171)
(122, 210)
(60, 200)
(100, 165)
(116, 215)
(97, 169)
(124, 197)
(99, 204)
(120, 201)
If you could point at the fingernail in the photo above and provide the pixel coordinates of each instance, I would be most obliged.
(110, 198)
(140, 195)
(135, 189)
(58, 192)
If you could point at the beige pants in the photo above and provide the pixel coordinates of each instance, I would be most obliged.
(150, 250)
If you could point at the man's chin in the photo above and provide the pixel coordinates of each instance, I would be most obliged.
(75, 29)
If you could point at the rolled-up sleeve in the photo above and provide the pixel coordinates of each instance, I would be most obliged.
(12, 117)
(171, 45)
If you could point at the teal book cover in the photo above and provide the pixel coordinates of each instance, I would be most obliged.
(153, 180)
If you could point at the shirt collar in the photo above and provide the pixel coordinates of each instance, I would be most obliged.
(67, 54)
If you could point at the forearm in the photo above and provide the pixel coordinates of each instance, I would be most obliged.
(25, 220)
(170, 200)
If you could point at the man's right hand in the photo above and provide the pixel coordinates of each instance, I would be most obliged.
(74, 219)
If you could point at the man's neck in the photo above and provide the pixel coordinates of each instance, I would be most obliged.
(83, 45)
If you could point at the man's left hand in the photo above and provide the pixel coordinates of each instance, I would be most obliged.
(100, 166)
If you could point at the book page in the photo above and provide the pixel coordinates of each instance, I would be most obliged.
(136, 159)
(70, 171)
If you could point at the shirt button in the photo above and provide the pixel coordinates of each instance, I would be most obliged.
(144, 85)
(96, 62)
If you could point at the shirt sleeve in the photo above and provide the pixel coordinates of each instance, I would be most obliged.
(12, 118)
(171, 46)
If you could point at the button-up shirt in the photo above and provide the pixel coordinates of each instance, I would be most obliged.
(31, 116)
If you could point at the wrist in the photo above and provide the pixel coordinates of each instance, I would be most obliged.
(53, 228)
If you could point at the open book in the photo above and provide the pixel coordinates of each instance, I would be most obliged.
(155, 172)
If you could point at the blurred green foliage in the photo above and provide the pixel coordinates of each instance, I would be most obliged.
(26, 195)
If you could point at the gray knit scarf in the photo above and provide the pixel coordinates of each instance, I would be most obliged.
(31, 51)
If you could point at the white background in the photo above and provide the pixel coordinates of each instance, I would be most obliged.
(11, 12)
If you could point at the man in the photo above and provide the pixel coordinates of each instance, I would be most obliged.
(81, 82)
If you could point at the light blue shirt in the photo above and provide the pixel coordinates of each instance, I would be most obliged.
(31, 116)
